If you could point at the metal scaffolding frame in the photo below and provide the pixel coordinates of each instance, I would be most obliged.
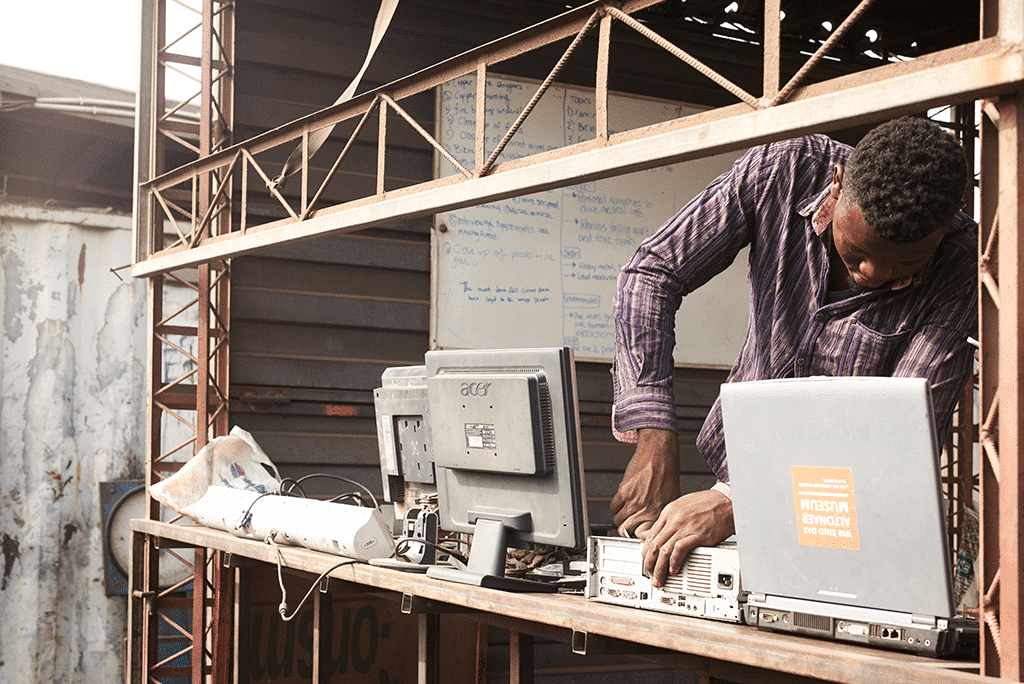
(194, 204)
(190, 391)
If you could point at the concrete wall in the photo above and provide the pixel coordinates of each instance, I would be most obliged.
(72, 414)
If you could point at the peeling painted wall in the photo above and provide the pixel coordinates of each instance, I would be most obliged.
(72, 414)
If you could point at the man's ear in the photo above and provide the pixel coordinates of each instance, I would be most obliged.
(837, 181)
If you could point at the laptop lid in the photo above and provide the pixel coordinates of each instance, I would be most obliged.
(836, 492)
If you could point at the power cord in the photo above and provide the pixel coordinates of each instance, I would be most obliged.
(402, 544)
(283, 608)
(289, 485)
(297, 483)
(287, 488)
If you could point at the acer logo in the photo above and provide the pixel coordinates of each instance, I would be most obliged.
(475, 389)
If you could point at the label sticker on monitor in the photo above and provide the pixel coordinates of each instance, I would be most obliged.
(480, 436)
(826, 513)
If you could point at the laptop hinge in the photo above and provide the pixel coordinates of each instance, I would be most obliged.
(756, 598)
(928, 620)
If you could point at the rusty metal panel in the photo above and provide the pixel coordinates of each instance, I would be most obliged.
(73, 378)
(314, 328)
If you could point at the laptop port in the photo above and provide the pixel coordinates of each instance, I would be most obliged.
(724, 581)
(852, 628)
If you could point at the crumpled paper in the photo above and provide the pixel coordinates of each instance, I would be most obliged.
(234, 461)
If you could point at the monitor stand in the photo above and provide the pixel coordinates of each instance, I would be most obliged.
(486, 567)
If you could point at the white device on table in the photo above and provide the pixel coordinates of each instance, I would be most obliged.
(707, 586)
(336, 528)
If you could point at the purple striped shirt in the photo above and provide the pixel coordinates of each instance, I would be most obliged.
(768, 201)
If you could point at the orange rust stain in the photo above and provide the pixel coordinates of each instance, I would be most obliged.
(335, 410)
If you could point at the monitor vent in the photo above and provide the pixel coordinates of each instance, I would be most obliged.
(547, 421)
(820, 623)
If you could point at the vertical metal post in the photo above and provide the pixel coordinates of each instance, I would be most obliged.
(482, 643)
(382, 137)
(242, 637)
(1011, 366)
(429, 660)
(223, 618)
(772, 49)
(601, 82)
(520, 647)
(1011, 358)
(323, 619)
(206, 146)
(198, 614)
(481, 117)
(988, 314)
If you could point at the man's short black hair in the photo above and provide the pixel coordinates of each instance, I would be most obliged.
(908, 177)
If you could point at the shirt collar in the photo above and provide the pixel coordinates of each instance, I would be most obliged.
(826, 207)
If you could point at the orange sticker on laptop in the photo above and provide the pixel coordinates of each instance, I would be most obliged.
(826, 514)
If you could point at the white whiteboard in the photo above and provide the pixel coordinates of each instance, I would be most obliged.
(540, 270)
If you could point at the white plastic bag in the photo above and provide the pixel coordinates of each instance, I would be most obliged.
(234, 461)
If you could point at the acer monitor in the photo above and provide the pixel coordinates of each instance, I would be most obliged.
(504, 434)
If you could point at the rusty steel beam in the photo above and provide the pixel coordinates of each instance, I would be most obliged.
(514, 45)
(1011, 367)
(955, 75)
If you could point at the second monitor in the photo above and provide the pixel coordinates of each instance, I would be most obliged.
(504, 433)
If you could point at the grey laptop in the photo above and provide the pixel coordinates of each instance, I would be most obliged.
(839, 512)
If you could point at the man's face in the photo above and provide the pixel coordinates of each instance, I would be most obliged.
(872, 261)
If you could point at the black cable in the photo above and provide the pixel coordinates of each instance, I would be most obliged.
(406, 541)
(247, 516)
(343, 479)
(292, 484)
(283, 608)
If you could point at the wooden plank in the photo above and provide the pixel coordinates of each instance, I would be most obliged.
(730, 643)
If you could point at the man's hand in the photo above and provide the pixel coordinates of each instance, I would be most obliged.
(697, 519)
(650, 482)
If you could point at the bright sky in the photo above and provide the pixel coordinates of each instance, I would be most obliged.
(93, 40)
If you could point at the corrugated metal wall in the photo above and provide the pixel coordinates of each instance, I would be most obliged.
(313, 328)
(314, 325)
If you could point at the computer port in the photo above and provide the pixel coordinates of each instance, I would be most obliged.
(891, 633)
(852, 628)
(724, 580)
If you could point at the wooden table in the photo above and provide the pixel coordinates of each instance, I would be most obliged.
(733, 652)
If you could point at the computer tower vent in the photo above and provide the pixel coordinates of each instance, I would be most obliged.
(695, 577)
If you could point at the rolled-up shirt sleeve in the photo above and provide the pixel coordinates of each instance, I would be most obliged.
(699, 242)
